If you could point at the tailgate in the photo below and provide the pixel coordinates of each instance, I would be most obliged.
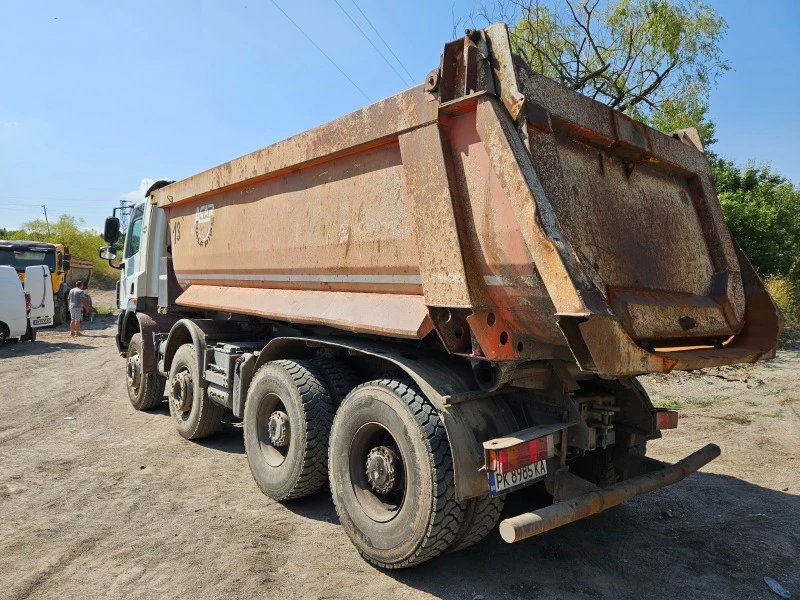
(639, 210)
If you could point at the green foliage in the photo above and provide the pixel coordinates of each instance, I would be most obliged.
(656, 60)
(786, 294)
(82, 243)
(762, 209)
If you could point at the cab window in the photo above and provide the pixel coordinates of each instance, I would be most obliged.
(134, 238)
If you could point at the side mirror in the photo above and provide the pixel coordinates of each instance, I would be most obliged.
(65, 264)
(109, 253)
(111, 230)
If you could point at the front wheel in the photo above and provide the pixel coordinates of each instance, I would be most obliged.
(145, 390)
(61, 313)
(391, 475)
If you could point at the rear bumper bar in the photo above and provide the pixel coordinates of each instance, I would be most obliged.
(533, 523)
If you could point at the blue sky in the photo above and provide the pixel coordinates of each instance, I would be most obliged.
(95, 97)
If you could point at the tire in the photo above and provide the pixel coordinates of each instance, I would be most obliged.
(145, 390)
(3, 333)
(194, 418)
(293, 395)
(60, 314)
(410, 517)
(480, 518)
(339, 378)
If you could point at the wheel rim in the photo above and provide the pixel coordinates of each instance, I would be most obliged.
(274, 430)
(377, 472)
(133, 372)
(181, 397)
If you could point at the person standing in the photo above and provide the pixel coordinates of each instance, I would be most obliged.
(77, 302)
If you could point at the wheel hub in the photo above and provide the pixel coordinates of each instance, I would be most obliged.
(133, 371)
(279, 432)
(383, 469)
(182, 393)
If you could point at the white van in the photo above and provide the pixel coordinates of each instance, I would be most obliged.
(13, 309)
(24, 311)
(38, 290)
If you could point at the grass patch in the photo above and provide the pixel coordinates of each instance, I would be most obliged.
(739, 418)
(669, 404)
(775, 415)
(751, 403)
(777, 391)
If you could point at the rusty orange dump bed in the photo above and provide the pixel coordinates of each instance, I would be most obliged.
(515, 218)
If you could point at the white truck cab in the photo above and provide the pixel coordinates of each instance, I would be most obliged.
(145, 244)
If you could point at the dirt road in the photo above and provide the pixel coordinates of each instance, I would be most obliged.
(98, 500)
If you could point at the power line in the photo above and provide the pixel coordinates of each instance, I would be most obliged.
(49, 198)
(383, 40)
(322, 51)
(372, 44)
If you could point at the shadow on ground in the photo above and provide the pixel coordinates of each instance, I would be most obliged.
(723, 537)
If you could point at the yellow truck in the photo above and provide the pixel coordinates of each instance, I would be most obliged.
(65, 269)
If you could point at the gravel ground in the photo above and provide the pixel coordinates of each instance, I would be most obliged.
(98, 500)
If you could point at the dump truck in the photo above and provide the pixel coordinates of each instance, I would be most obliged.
(65, 269)
(439, 299)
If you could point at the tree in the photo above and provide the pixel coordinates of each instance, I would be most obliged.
(82, 243)
(762, 209)
(656, 60)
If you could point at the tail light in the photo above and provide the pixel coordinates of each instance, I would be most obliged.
(520, 455)
(666, 419)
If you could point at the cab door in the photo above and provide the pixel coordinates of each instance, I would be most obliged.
(39, 289)
(132, 263)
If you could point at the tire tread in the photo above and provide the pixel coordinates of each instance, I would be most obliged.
(318, 407)
(447, 514)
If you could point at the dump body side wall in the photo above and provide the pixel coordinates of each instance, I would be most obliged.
(520, 212)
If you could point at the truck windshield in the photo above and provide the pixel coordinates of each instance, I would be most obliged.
(19, 259)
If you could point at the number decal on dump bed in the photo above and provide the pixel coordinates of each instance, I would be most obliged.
(203, 223)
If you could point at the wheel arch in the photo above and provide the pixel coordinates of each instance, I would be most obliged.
(470, 416)
(146, 324)
(196, 332)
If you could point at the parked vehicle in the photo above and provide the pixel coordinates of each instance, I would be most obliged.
(20, 316)
(438, 299)
(39, 294)
(64, 268)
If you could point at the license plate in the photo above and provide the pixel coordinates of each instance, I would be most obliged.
(501, 482)
(41, 322)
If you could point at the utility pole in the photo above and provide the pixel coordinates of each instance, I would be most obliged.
(45, 219)
(124, 210)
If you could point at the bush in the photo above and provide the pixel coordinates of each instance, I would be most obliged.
(83, 243)
(786, 295)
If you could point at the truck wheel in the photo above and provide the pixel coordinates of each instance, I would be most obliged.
(3, 333)
(340, 378)
(195, 417)
(480, 517)
(287, 420)
(145, 390)
(60, 313)
(391, 474)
